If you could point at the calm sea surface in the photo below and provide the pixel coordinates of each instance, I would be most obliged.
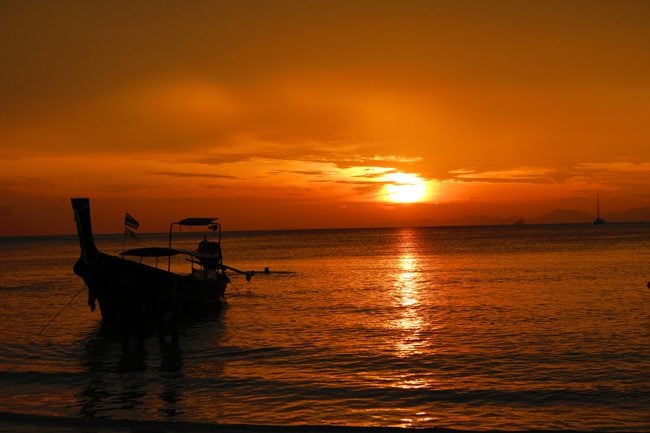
(511, 328)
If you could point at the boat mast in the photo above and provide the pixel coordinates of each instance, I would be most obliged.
(598, 219)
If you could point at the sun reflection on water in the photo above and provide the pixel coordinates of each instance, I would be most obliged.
(409, 324)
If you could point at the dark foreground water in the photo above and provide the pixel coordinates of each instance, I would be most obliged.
(509, 328)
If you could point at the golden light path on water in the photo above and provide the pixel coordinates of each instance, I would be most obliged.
(410, 322)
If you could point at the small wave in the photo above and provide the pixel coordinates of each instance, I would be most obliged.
(25, 422)
(344, 393)
(41, 378)
(235, 352)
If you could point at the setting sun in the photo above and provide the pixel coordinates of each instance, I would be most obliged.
(405, 188)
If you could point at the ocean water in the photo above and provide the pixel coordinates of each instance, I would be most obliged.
(464, 328)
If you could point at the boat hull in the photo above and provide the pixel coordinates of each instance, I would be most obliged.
(122, 288)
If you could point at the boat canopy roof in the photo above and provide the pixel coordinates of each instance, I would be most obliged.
(197, 221)
(151, 252)
(165, 252)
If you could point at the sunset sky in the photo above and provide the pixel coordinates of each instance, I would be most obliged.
(308, 114)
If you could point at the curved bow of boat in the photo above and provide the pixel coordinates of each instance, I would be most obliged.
(81, 208)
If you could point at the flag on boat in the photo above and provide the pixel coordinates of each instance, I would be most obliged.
(130, 222)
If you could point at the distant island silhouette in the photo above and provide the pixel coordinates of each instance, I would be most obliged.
(556, 216)
(578, 216)
(563, 216)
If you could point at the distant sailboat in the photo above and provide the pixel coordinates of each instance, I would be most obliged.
(598, 220)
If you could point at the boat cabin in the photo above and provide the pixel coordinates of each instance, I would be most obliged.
(206, 260)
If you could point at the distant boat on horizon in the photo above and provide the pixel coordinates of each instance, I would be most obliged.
(598, 220)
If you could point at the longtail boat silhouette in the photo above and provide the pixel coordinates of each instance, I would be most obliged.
(124, 287)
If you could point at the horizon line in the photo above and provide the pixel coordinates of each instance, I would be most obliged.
(588, 223)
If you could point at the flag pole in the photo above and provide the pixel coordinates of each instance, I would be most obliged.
(130, 224)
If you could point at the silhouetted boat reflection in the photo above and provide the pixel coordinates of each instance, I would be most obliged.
(125, 385)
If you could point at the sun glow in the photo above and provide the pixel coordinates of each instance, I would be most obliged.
(405, 188)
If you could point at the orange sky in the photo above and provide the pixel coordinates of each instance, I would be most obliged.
(307, 114)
